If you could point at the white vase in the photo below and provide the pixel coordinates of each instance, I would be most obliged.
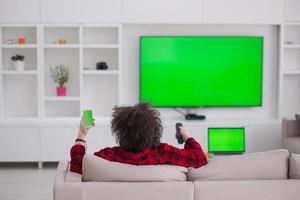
(19, 65)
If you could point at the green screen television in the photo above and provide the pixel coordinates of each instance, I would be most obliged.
(226, 140)
(201, 71)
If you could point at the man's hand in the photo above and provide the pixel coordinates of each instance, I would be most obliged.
(185, 133)
(83, 130)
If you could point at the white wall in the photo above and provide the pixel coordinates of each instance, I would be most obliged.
(130, 64)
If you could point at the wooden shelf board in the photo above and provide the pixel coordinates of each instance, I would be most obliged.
(62, 98)
(100, 72)
(18, 46)
(25, 72)
(61, 46)
(100, 46)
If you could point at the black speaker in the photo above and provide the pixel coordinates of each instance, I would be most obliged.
(101, 66)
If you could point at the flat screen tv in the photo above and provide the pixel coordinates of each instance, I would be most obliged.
(226, 140)
(201, 71)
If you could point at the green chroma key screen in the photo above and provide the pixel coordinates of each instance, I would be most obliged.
(201, 71)
(226, 140)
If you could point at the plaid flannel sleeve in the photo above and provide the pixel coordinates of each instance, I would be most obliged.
(191, 156)
(77, 152)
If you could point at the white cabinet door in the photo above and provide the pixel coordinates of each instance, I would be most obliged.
(19, 11)
(101, 11)
(243, 11)
(19, 144)
(162, 11)
(292, 10)
(56, 143)
(60, 11)
(81, 11)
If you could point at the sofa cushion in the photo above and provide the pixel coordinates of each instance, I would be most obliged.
(97, 169)
(295, 166)
(256, 166)
(292, 144)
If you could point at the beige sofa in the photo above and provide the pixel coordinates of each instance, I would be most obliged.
(254, 176)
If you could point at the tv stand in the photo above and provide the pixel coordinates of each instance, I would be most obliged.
(191, 116)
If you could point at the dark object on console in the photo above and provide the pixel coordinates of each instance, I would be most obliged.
(194, 117)
(178, 135)
(102, 66)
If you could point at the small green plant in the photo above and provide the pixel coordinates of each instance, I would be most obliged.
(60, 74)
(18, 57)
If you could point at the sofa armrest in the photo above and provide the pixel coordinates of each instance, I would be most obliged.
(66, 189)
(290, 129)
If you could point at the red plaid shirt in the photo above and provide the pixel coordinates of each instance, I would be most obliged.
(191, 156)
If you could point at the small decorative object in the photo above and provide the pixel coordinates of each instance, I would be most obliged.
(289, 42)
(9, 41)
(21, 40)
(62, 41)
(101, 66)
(60, 75)
(19, 63)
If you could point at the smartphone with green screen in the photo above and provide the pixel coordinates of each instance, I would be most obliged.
(88, 118)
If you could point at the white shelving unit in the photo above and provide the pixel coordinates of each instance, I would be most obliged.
(100, 87)
(31, 93)
(289, 70)
(19, 89)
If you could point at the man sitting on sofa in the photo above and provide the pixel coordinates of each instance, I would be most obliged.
(138, 131)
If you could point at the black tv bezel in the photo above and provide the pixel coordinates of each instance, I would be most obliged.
(225, 152)
(204, 106)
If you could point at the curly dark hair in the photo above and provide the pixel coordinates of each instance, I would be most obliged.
(136, 127)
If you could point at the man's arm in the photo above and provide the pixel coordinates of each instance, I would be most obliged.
(191, 156)
(77, 151)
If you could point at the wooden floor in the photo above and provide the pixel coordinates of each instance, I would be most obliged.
(26, 181)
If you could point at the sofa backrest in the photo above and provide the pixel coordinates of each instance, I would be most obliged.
(97, 169)
(256, 166)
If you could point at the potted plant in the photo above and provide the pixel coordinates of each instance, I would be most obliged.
(60, 75)
(19, 63)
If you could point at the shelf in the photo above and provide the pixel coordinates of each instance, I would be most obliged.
(100, 35)
(18, 46)
(292, 72)
(53, 34)
(62, 98)
(11, 72)
(100, 72)
(14, 32)
(58, 109)
(100, 94)
(30, 55)
(61, 46)
(292, 46)
(20, 96)
(101, 46)
(91, 56)
(68, 57)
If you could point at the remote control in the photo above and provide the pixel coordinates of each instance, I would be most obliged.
(178, 135)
